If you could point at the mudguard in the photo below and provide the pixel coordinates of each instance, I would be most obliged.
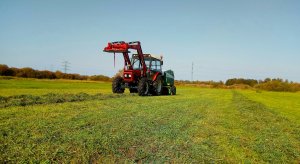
(155, 76)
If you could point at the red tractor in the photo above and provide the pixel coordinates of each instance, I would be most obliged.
(142, 72)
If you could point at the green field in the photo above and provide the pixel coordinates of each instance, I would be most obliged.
(80, 121)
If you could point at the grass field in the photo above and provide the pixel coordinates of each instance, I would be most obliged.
(74, 121)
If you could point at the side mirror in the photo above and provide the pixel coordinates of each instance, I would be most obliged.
(161, 63)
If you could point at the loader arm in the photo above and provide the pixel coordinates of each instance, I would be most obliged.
(123, 47)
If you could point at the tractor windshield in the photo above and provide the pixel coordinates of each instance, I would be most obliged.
(147, 61)
(152, 63)
(136, 63)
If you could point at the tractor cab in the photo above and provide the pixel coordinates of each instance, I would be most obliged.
(153, 63)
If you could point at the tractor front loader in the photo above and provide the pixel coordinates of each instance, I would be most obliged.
(142, 72)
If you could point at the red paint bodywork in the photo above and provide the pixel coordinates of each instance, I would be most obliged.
(123, 47)
(155, 76)
(133, 73)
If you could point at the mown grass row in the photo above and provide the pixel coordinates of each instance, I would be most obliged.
(50, 98)
(267, 136)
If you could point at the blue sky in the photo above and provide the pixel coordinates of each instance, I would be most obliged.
(224, 39)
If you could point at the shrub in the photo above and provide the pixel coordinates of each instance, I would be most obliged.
(279, 85)
(250, 82)
(28, 72)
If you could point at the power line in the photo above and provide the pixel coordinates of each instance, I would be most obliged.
(192, 71)
(65, 65)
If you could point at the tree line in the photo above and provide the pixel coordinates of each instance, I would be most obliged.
(28, 72)
(275, 84)
(268, 84)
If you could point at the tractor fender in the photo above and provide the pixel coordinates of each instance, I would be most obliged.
(155, 76)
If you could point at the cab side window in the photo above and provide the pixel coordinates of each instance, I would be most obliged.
(158, 63)
(155, 65)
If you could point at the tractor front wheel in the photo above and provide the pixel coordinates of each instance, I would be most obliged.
(117, 85)
(173, 90)
(143, 87)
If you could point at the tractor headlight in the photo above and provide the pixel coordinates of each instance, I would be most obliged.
(129, 75)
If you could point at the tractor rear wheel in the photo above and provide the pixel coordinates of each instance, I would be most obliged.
(157, 86)
(117, 85)
(143, 87)
(173, 90)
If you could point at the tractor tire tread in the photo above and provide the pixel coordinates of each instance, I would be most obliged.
(117, 85)
(143, 87)
(155, 86)
(173, 90)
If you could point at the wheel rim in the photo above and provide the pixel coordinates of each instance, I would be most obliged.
(147, 88)
(159, 87)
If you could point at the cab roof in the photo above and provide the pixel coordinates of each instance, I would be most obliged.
(148, 56)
